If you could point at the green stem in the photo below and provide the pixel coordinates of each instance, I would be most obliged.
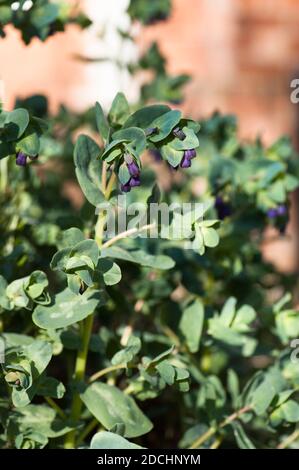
(212, 431)
(56, 407)
(102, 372)
(86, 431)
(79, 377)
(86, 329)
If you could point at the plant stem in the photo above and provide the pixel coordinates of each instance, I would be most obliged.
(127, 233)
(86, 431)
(291, 438)
(79, 376)
(212, 431)
(56, 407)
(105, 371)
(86, 325)
(109, 186)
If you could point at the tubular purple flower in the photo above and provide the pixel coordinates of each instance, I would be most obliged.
(190, 153)
(133, 182)
(133, 169)
(21, 159)
(126, 188)
(185, 162)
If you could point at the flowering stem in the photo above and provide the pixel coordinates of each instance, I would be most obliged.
(80, 368)
(212, 431)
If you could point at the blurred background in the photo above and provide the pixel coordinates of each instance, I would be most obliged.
(241, 56)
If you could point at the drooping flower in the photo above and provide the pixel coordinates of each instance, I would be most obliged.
(21, 159)
(187, 157)
(134, 172)
(223, 209)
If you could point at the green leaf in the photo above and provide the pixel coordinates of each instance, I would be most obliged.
(191, 325)
(134, 136)
(166, 371)
(172, 155)
(262, 397)
(165, 124)
(101, 121)
(120, 110)
(145, 116)
(44, 15)
(190, 141)
(111, 271)
(111, 406)
(69, 238)
(50, 387)
(242, 439)
(88, 169)
(128, 353)
(109, 440)
(29, 144)
(67, 308)
(16, 123)
(139, 257)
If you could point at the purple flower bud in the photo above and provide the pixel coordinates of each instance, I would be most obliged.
(150, 131)
(190, 153)
(223, 209)
(126, 188)
(185, 162)
(281, 210)
(272, 213)
(133, 182)
(133, 169)
(177, 132)
(156, 155)
(187, 157)
(21, 159)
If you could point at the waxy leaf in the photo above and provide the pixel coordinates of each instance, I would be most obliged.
(111, 406)
(67, 308)
(109, 440)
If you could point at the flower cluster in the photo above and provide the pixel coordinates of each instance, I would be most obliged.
(134, 172)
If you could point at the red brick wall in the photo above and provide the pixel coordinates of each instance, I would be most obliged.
(242, 55)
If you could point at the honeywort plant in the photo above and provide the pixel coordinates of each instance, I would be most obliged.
(119, 331)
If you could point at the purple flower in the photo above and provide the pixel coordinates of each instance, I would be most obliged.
(272, 213)
(223, 209)
(278, 211)
(126, 188)
(177, 132)
(133, 182)
(281, 210)
(133, 169)
(156, 155)
(187, 157)
(21, 159)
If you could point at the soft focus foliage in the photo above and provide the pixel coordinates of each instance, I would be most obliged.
(205, 331)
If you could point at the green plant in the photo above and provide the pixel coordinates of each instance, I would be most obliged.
(105, 335)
